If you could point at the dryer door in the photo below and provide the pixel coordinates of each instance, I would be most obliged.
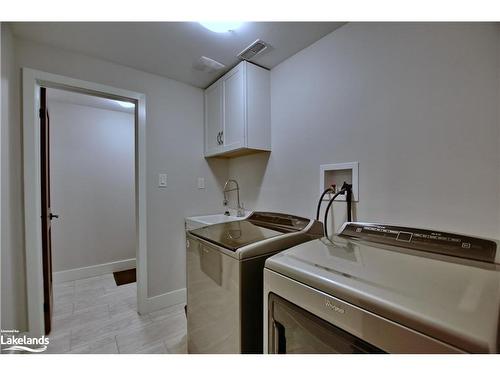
(293, 330)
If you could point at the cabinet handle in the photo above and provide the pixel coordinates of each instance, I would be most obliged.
(218, 138)
(221, 140)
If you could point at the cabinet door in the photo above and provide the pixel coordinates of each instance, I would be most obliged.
(234, 109)
(213, 119)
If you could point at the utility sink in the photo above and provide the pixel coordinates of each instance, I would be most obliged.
(195, 222)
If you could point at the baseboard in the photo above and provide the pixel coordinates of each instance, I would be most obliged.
(164, 300)
(92, 271)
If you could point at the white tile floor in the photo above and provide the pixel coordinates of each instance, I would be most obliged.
(96, 316)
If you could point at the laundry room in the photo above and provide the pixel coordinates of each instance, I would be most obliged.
(244, 186)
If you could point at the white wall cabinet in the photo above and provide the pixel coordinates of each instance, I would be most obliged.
(237, 112)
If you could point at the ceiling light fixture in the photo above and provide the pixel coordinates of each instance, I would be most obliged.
(221, 27)
(126, 104)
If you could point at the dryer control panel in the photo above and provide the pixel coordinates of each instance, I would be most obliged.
(423, 239)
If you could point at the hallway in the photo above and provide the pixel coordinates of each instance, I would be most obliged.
(95, 316)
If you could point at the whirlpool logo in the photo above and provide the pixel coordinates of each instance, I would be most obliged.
(11, 342)
(333, 306)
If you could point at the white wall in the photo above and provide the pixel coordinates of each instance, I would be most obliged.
(92, 185)
(13, 299)
(174, 122)
(415, 104)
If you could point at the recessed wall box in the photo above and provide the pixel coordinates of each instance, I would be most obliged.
(336, 174)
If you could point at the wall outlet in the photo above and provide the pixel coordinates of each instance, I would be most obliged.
(201, 183)
(162, 180)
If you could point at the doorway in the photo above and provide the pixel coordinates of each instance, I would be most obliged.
(39, 217)
(88, 218)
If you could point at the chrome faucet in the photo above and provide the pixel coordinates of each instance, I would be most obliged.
(240, 212)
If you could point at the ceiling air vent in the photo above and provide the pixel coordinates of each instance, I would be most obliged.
(253, 50)
(206, 64)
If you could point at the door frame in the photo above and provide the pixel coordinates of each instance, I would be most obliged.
(32, 80)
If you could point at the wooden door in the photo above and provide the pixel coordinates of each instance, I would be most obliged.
(47, 215)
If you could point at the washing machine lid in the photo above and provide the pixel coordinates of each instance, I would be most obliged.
(258, 227)
(452, 299)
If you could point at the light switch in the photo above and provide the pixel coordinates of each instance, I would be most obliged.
(201, 183)
(162, 180)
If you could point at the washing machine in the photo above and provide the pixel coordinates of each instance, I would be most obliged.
(378, 288)
(225, 264)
